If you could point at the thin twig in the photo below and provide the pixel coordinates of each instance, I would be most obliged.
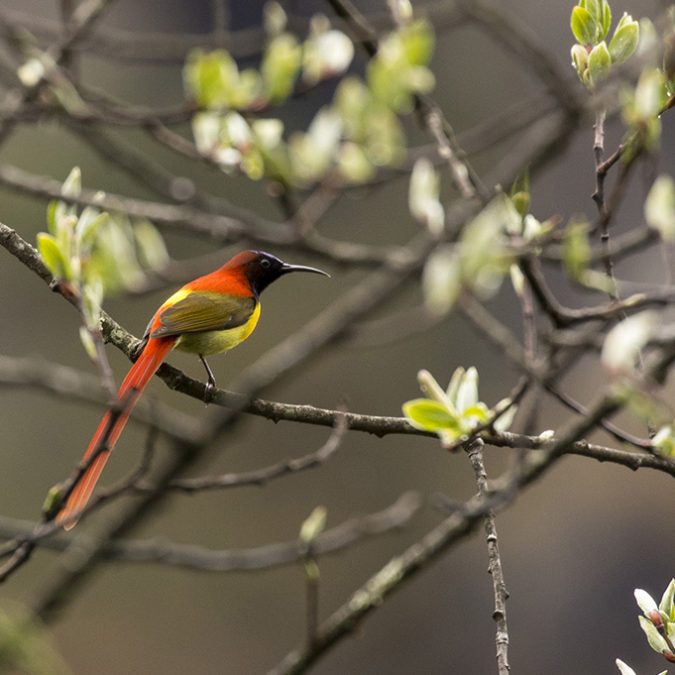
(192, 557)
(475, 452)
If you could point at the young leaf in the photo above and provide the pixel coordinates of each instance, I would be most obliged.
(442, 280)
(667, 604)
(52, 256)
(88, 343)
(606, 19)
(625, 39)
(423, 196)
(624, 342)
(87, 227)
(655, 639)
(660, 207)
(151, 247)
(314, 524)
(455, 382)
(429, 415)
(467, 392)
(583, 26)
(274, 18)
(576, 248)
(72, 186)
(280, 66)
(599, 62)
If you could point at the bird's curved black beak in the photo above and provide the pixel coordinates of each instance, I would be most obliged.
(286, 268)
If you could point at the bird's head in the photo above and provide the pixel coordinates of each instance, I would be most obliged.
(261, 268)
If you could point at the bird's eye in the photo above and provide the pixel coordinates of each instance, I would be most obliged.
(265, 263)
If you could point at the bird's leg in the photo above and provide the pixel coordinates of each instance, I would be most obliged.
(210, 382)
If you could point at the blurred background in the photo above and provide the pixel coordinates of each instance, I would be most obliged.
(573, 547)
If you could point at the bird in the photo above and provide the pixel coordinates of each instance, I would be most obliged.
(209, 315)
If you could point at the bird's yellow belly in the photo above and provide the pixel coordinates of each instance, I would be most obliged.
(217, 341)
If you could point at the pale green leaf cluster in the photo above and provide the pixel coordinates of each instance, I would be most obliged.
(641, 109)
(454, 413)
(625, 669)
(477, 262)
(660, 208)
(663, 441)
(348, 139)
(96, 253)
(592, 57)
(624, 342)
(519, 223)
(67, 247)
(400, 69)
(658, 621)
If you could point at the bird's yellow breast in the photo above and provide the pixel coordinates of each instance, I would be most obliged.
(218, 341)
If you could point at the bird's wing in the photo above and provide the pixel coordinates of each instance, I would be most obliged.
(199, 312)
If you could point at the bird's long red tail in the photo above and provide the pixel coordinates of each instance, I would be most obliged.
(129, 392)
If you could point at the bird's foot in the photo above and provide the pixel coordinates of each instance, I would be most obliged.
(210, 391)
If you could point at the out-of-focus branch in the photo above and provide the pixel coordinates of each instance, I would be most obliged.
(194, 557)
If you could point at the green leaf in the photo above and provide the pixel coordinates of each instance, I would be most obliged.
(599, 62)
(667, 604)
(453, 385)
(353, 163)
(397, 71)
(280, 67)
(314, 524)
(72, 186)
(624, 342)
(429, 415)
(504, 421)
(576, 248)
(442, 280)
(668, 58)
(659, 207)
(579, 56)
(274, 18)
(583, 26)
(649, 93)
(663, 441)
(87, 227)
(88, 343)
(54, 212)
(485, 258)
(212, 78)
(606, 19)
(326, 54)
(477, 413)
(151, 246)
(625, 40)
(624, 668)
(656, 641)
(517, 280)
(520, 192)
(433, 390)
(417, 42)
(91, 306)
(52, 256)
(313, 153)
(467, 393)
(423, 198)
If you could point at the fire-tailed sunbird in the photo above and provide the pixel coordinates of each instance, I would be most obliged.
(209, 315)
